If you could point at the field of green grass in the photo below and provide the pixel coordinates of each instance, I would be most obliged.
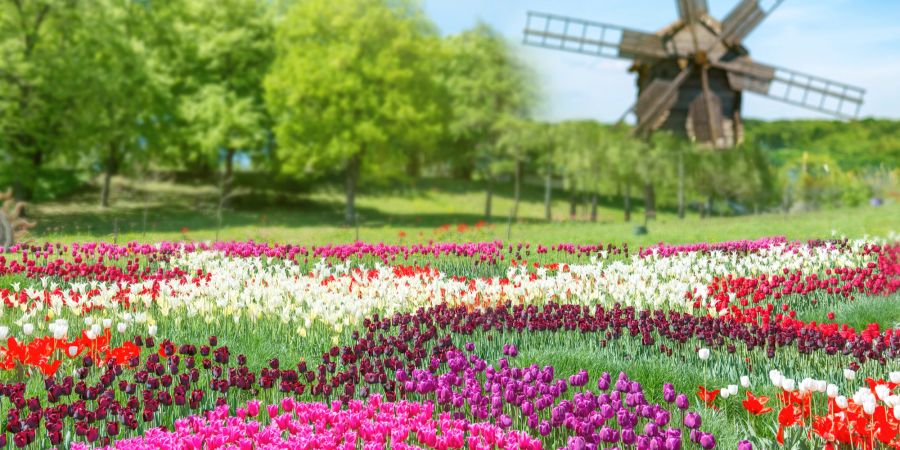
(166, 211)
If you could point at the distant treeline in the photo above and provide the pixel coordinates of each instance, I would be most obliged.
(855, 145)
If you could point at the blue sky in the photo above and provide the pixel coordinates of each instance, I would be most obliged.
(853, 41)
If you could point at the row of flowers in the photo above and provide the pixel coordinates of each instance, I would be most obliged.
(340, 295)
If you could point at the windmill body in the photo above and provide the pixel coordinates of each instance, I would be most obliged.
(691, 75)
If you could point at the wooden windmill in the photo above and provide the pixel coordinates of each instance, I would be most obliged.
(691, 74)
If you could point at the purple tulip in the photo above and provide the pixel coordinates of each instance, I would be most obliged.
(745, 445)
(681, 401)
(544, 428)
(692, 420)
(707, 441)
(576, 443)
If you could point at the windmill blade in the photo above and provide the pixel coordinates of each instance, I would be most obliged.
(590, 38)
(692, 10)
(796, 88)
(656, 99)
(744, 18)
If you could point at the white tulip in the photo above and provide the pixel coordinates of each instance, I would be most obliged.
(894, 377)
(831, 390)
(788, 384)
(121, 327)
(703, 353)
(90, 334)
(733, 389)
(869, 406)
(745, 381)
(849, 374)
(4, 332)
(96, 329)
(151, 330)
(821, 386)
(88, 321)
(59, 332)
(776, 378)
(73, 350)
(107, 323)
(724, 393)
(882, 391)
(841, 401)
(28, 329)
(897, 412)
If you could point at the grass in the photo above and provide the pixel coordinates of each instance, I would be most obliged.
(857, 313)
(166, 211)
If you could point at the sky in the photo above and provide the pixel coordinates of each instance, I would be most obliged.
(856, 42)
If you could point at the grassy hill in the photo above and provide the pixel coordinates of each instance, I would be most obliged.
(432, 209)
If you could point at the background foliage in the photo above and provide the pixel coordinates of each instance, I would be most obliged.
(362, 95)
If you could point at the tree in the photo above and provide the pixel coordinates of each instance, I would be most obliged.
(122, 91)
(36, 89)
(489, 86)
(225, 48)
(352, 81)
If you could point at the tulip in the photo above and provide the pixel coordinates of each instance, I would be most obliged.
(703, 353)
(28, 329)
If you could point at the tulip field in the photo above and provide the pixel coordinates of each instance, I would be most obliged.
(756, 344)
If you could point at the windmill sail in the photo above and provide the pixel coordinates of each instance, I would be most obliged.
(796, 88)
(743, 19)
(591, 38)
(692, 10)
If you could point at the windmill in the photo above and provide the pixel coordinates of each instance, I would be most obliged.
(692, 74)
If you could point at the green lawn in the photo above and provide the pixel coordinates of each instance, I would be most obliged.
(166, 211)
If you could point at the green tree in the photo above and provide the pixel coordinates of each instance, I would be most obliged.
(122, 88)
(37, 93)
(224, 49)
(489, 87)
(352, 81)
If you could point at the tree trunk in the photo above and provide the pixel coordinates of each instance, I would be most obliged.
(227, 177)
(573, 204)
(353, 166)
(110, 169)
(627, 205)
(413, 166)
(548, 191)
(488, 197)
(681, 184)
(594, 207)
(709, 205)
(649, 202)
(517, 190)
